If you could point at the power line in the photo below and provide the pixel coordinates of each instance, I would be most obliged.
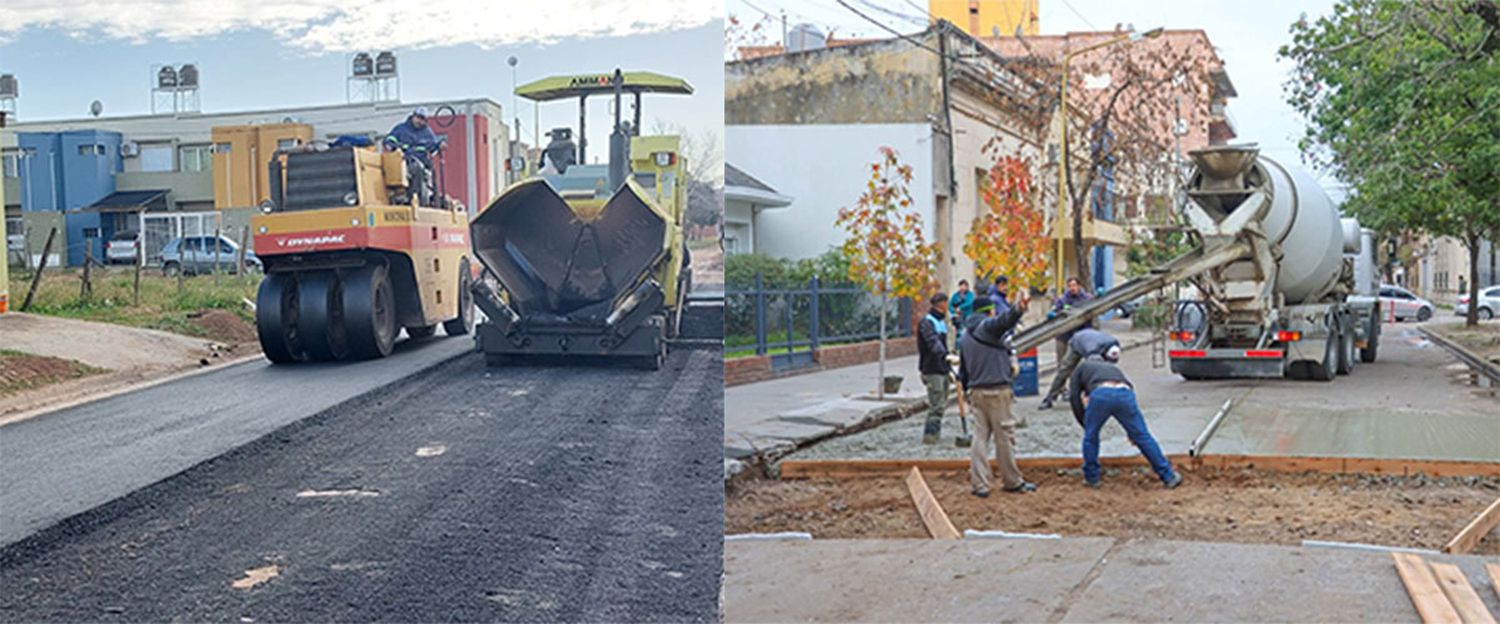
(1080, 15)
(888, 29)
(892, 13)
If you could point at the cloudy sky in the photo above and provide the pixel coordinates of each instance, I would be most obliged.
(1246, 34)
(257, 54)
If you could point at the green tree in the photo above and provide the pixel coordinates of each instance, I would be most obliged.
(885, 248)
(1402, 101)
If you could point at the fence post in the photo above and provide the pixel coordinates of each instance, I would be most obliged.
(790, 319)
(813, 314)
(760, 315)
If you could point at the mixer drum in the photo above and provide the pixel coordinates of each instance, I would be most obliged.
(554, 262)
(1305, 223)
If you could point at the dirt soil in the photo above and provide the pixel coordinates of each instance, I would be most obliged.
(224, 326)
(1231, 505)
(1483, 339)
(708, 266)
(23, 371)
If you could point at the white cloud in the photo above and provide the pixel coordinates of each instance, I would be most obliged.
(341, 25)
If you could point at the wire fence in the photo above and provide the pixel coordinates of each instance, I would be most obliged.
(788, 324)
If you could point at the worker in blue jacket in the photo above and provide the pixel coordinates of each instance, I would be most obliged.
(932, 363)
(414, 137)
(959, 306)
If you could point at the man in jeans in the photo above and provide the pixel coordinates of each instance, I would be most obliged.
(932, 362)
(985, 372)
(1084, 343)
(1101, 390)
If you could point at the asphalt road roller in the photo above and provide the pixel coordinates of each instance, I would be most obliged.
(589, 260)
(357, 247)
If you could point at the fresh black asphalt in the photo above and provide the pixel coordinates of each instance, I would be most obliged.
(463, 493)
(67, 462)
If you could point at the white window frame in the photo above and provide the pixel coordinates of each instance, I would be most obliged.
(201, 155)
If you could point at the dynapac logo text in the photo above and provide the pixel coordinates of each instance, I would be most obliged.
(311, 240)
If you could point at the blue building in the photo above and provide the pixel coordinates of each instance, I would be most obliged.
(68, 172)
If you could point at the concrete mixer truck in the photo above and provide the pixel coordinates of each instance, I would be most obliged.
(1286, 287)
(589, 260)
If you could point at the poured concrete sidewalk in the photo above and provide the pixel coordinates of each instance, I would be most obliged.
(771, 418)
(1082, 579)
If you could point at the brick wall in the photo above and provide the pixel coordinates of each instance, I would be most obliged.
(751, 369)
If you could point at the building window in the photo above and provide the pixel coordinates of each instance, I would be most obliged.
(91, 150)
(156, 158)
(10, 165)
(286, 144)
(196, 158)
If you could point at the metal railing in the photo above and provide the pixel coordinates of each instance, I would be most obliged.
(790, 323)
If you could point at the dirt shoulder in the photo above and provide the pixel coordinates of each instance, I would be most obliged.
(1214, 505)
(1483, 339)
(20, 372)
(115, 356)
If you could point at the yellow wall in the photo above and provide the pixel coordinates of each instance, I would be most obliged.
(982, 18)
(241, 156)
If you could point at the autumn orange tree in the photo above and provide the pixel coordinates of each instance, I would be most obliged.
(887, 251)
(1009, 238)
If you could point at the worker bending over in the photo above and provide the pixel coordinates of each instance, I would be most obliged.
(1101, 391)
(1084, 343)
(985, 374)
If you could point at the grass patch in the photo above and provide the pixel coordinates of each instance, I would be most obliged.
(162, 306)
(1483, 339)
(24, 371)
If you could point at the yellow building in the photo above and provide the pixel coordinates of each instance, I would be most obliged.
(988, 18)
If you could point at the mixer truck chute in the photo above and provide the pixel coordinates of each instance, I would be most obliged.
(589, 259)
(1286, 285)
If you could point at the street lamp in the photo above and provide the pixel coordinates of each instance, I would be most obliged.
(1062, 147)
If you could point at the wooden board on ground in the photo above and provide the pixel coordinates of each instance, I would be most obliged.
(853, 468)
(1494, 570)
(937, 522)
(1431, 603)
(1481, 526)
(1461, 595)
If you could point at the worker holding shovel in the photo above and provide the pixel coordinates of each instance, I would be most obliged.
(932, 362)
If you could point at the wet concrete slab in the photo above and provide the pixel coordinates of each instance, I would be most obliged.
(1086, 579)
(904, 580)
(1151, 581)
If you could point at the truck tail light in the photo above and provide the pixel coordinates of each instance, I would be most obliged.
(1263, 353)
(1187, 353)
(1288, 336)
(1183, 336)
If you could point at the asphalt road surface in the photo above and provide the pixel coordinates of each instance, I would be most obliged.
(463, 493)
(67, 462)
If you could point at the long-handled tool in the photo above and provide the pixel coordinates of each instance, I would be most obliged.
(964, 440)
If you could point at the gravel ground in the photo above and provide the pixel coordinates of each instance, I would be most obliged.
(461, 494)
(1212, 505)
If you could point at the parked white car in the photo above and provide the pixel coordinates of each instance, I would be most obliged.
(1489, 304)
(123, 248)
(1400, 302)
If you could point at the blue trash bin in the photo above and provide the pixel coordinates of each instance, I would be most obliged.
(1026, 380)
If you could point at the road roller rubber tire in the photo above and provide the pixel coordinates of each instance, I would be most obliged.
(463, 324)
(370, 313)
(276, 319)
(421, 331)
(320, 316)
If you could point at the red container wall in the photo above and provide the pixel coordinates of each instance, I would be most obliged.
(456, 168)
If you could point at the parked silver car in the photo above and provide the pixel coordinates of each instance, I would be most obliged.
(1403, 305)
(204, 254)
(123, 248)
(1489, 304)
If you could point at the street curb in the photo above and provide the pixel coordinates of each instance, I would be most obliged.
(871, 419)
(1478, 364)
(126, 389)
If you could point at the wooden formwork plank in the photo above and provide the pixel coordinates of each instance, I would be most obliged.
(851, 468)
(1494, 570)
(1481, 526)
(933, 516)
(1431, 603)
(1461, 595)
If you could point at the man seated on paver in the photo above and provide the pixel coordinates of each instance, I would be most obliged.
(1084, 343)
(985, 372)
(932, 362)
(1100, 391)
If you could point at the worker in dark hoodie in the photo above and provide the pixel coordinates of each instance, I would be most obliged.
(1100, 391)
(932, 363)
(985, 373)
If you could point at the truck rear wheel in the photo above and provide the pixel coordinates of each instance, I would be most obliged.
(320, 316)
(1347, 357)
(276, 319)
(370, 312)
(1328, 368)
(1372, 343)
